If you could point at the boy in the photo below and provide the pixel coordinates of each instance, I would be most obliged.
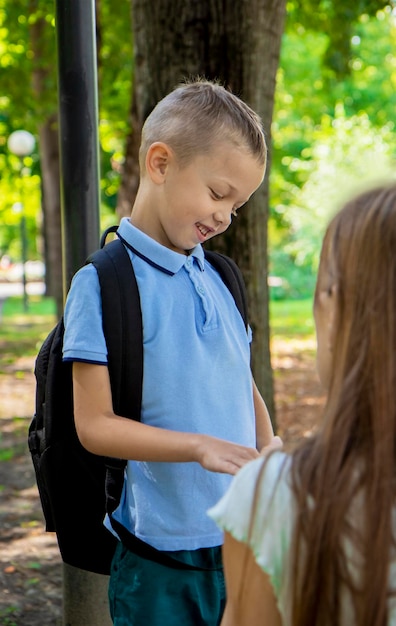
(202, 156)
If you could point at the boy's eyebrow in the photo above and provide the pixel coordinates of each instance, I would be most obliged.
(241, 202)
(225, 182)
(234, 189)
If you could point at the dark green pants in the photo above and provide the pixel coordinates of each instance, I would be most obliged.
(145, 593)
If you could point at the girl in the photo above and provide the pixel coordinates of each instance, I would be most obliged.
(310, 537)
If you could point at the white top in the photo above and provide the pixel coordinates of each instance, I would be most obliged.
(271, 535)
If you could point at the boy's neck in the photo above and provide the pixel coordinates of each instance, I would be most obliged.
(142, 214)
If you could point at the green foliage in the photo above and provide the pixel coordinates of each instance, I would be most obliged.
(330, 137)
(20, 195)
(27, 52)
(27, 43)
(29, 96)
(115, 69)
(337, 18)
(373, 69)
(346, 155)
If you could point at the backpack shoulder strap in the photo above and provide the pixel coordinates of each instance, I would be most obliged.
(232, 277)
(122, 326)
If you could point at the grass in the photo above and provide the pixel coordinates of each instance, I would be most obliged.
(291, 318)
(38, 306)
(22, 332)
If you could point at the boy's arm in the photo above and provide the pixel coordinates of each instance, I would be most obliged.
(103, 432)
(264, 430)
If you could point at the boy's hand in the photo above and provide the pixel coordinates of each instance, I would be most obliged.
(217, 455)
(275, 444)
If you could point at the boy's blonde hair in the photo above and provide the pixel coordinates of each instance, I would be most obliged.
(196, 116)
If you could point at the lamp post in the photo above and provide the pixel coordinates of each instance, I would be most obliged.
(22, 143)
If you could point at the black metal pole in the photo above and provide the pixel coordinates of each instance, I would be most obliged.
(24, 241)
(24, 259)
(84, 593)
(78, 121)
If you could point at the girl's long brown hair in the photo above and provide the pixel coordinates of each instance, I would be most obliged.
(344, 477)
(351, 461)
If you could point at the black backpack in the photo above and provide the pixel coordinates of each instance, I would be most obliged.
(76, 487)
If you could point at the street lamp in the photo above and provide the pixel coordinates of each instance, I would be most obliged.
(22, 143)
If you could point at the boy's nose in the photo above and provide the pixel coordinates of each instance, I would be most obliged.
(222, 216)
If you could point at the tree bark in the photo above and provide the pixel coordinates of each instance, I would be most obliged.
(50, 175)
(49, 160)
(130, 178)
(237, 43)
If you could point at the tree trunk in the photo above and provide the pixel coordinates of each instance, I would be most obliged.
(239, 44)
(130, 178)
(49, 160)
(50, 175)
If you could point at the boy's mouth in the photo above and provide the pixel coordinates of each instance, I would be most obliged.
(204, 230)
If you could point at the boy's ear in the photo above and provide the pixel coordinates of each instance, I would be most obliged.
(158, 158)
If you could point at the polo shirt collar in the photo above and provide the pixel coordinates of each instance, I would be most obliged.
(155, 253)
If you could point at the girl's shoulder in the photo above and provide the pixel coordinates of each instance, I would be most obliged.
(260, 486)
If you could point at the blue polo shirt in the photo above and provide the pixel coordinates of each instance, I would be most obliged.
(196, 378)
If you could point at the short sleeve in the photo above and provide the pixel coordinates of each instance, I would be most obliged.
(270, 537)
(84, 339)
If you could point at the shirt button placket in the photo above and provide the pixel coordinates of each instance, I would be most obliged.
(199, 288)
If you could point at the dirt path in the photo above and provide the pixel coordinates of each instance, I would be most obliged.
(30, 567)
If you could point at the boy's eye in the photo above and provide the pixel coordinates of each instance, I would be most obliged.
(216, 196)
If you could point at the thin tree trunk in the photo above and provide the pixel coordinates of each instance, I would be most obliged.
(49, 160)
(130, 178)
(237, 43)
